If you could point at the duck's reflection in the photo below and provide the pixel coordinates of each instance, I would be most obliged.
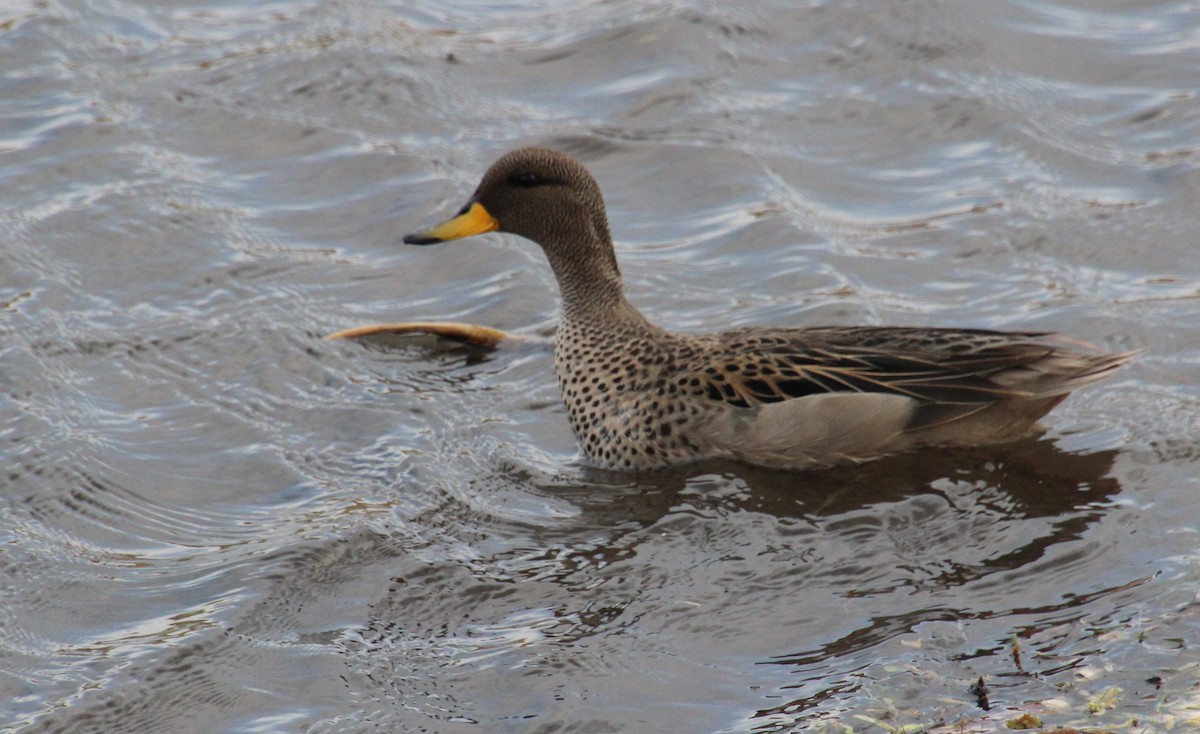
(942, 519)
(1031, 478)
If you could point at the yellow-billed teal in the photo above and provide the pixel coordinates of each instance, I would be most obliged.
(641, 397)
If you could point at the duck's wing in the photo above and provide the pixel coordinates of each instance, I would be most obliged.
(756, 367)
(842, 393)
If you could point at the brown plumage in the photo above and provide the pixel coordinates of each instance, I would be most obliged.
(641, 397)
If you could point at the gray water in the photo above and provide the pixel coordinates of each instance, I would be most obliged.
(214, 520)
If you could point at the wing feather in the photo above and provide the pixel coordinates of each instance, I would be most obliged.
(930, 366)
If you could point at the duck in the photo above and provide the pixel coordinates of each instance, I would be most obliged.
(641, 397)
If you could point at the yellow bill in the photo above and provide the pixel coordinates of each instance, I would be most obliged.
(473, 219)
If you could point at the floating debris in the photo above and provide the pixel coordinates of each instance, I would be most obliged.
(1016, 653)
(1105, 701)
(980, 692)
(1024, 721)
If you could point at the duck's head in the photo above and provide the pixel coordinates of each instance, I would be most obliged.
(540, 194)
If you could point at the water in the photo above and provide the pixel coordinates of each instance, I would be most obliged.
(213, 520)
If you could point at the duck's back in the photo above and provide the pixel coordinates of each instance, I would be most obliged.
(642, 397)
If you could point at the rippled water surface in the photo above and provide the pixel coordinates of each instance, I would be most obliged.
(214, 520)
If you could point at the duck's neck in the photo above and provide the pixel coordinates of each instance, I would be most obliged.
(581, 254)
(591, 287)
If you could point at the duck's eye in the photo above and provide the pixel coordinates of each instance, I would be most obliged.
(526, 179)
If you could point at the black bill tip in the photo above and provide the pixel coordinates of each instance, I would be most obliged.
(421, 238)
